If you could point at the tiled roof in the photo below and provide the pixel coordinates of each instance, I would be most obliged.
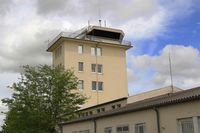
(163, 100)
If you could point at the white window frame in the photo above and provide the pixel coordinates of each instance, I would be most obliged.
(80, 49)
(81, 84)
(93, 51)
(95, 68)
(195, 121)
(122, 126)
(137, 127)
(96, 51)
(100, 67)
(108, 130)
(98, 84)
(79, 66)
(95, 85)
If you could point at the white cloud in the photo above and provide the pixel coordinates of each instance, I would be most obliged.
(185, 66)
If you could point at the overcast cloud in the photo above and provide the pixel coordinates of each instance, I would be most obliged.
(185, 68)
(27, 25)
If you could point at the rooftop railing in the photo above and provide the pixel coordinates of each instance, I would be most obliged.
(89, 37)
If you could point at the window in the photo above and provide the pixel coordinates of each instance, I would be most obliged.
(100, 86)
(118, 105)
(102, 109)
(98, 110)
(122, 129)
(186, 125)
(100, 68)
(86, 114)
(113, 107)
(93, 67)
(94, 85)
(93, 51)
(80, 66)
(96, 51)
(81, 84)
(80, 49)
(91, 112)
(108, 130)
(97, 68)
(140, 128)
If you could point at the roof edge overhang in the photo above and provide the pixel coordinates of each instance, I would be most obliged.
(61, 39)
(124, 110)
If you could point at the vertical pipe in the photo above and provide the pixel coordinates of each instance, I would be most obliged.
(157, 119)
(95, 126)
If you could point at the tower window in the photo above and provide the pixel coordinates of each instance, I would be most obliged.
(94, 85)
(81, 84)
(97, 68)
(100, 86)
(100, 68)
(80, 49)
(80, 66)
(93, 67)
(96, 51)
(97, 85)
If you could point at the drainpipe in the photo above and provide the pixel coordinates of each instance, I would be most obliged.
(95, 126)
(157, 119)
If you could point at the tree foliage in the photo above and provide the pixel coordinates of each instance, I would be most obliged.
(41, 100)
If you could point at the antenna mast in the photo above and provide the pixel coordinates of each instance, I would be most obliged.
(170, 69)
(99, 14)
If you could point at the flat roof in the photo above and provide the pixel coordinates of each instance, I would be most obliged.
(98, 34)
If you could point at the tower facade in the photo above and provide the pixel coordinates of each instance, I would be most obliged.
(98, 57)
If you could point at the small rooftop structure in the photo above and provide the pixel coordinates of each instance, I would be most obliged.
(152, 93)
(95, 34)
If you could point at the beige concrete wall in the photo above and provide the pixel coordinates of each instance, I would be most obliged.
(114, 73)
(79, 127)
(59, 60)
(169, 115)
(147, 117)
(130, 119)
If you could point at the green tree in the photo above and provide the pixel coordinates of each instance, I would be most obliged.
(41, 100)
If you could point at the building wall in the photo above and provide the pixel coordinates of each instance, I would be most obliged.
(114, 76)
(79, 127)
(169, 116)
(107, 107)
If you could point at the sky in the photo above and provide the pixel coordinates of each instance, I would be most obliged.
(155, 28)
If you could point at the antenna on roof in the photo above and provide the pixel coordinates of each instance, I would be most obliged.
(170, 70)
(88, 23)
(105, 23)
(99, 14)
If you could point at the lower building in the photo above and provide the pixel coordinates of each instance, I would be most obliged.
(176, 112)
